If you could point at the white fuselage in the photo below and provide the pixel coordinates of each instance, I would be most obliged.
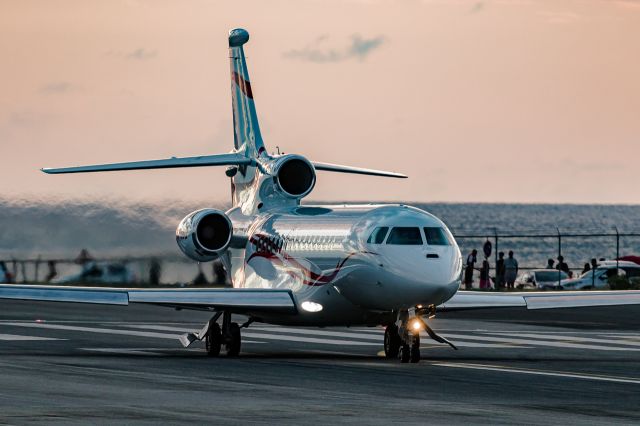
(327, 255)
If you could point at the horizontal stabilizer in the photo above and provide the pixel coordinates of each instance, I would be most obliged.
(327, 167)
(205, 160)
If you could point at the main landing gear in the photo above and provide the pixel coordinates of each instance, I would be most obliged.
(402, 338)
(215, 336)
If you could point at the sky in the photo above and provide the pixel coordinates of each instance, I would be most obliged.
(477, 101)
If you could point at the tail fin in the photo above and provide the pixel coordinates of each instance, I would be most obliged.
(246, 130)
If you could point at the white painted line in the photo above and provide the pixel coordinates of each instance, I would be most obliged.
(286, 330)
(17, 337)
(582, 376)
(162, 328)
(121, 351)
(576, 339)
(93, 330)
(452, 337)
(306, 339)
(318, 332)
(463, 344)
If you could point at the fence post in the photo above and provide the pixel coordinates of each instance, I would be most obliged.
(495, 238)
(617, 249)
(37, 269)
(559, 242)
(559, 251)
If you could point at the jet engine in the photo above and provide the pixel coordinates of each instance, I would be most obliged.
(204, 234)
(294, 175)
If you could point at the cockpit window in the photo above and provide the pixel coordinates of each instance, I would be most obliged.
(436, 236)
(378, 234)
(404, 235)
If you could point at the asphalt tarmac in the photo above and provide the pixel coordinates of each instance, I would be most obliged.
(79, 364)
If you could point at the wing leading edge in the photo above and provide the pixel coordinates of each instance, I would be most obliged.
(236, 300)
(466, 300)
(202, 161)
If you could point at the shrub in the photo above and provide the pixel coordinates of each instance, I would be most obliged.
(621, 282)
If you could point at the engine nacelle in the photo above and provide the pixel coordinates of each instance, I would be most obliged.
(294, 175)
(204, 234)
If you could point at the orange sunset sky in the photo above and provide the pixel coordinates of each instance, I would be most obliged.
(491, 101)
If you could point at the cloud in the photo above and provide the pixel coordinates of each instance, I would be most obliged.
(557, 17)
(477, 8)
(628, 4)
(57, 88)
(139, 54)
(359, 48)
(142, 54)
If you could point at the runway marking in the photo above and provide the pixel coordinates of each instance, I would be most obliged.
(537, 342)
(93, 330)
(278, 329)
(583, 376)
(122, 351)
(351, 335)
(463, 344)
(18, 337)
(576, 339)
(270, 336)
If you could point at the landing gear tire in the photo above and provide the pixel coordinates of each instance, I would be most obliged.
(213, 340)
(415, 350)
(405, 353)
(233, 343)
(391, 341)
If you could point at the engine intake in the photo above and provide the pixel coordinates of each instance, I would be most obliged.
(204, 234)
(295, 176)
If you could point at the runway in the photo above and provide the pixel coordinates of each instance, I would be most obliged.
(69, 363)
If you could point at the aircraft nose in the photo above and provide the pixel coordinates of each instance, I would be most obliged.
(430, 275)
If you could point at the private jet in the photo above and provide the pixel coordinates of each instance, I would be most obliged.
(294, 264)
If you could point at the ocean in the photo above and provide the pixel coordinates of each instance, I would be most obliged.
(122, 229)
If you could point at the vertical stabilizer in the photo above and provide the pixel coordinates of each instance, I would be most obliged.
(246, 131)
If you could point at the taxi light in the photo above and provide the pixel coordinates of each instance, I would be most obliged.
(311, 306)
(416, 325)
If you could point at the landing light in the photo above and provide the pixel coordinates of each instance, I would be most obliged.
(311, 306)
(416, 325)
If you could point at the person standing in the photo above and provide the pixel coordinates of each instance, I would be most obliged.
(510, 270)
(484, 275)
(562, 265)
(468, 271)
(3, 272)
(500, 271)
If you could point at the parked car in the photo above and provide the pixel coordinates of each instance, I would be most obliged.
(600, 277)
(541, 279)
(100, 273)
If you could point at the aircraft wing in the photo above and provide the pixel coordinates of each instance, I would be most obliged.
(234, 300)
(205, 160)
(328, 167)
(465, 300)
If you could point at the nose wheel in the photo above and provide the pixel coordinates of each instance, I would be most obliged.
(391, 341)
(402, 339)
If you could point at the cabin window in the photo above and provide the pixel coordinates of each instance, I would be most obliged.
(378, 234)
(405, 235)
(436, 236)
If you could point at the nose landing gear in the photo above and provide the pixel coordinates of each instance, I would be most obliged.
(402, 339)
